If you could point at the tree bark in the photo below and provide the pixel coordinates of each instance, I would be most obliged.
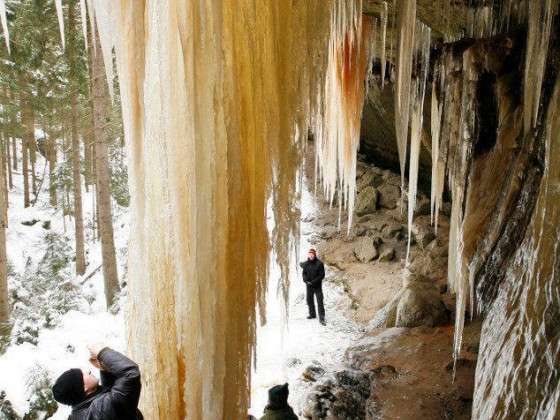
(51, 155)
(103, 193)
(27, 134)
(14, 154)
(32, 146)
(76, 177)
(4, 300)
(7, 162)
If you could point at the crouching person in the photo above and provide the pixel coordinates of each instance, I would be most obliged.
(278, 407)
(115, 398)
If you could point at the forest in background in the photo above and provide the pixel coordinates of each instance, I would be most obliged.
(63, 173)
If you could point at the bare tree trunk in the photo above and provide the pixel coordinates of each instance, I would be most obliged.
(14, 154)
(32, 145)
(4, 301)
(3, 161)
(8, 161)
(27, 134)
(103, 192)
(51, 155)
(77, 184)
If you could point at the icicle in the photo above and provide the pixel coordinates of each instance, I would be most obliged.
(384, 19)
(83, 13)
(538, 35)
(436, 112)
(337, 126)
(5, 24)
(59, 14)
(406, 26)
(422, 52)
(105, 28)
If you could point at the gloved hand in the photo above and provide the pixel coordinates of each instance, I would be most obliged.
(94, 350)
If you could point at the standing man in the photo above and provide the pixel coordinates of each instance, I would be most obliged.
(313, 275)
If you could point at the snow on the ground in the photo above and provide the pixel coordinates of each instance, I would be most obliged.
(287, 345)
(64, 346)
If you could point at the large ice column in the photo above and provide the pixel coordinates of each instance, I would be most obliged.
(217, 98)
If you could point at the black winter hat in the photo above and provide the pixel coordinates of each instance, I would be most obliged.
(69, 387)
(278, 395)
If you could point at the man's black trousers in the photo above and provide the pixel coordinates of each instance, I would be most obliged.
(318, 293)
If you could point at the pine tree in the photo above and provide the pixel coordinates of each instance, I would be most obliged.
(76, 176)
(100, 94)
(4, 301)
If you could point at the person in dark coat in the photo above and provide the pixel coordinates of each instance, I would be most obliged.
(278, 407)
(116, 398)
(313, 275)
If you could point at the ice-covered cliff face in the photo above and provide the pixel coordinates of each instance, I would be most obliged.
(494, 149)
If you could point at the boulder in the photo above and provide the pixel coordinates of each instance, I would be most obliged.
(366, 201)
(389, 196)
(364, 250)
(420, 305)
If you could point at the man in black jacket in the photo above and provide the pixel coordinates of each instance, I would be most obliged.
(313, 275)
(116, 398)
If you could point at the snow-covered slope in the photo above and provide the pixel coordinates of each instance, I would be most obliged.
(62, 345)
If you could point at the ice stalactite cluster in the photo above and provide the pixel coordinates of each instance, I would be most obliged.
(423, 36)
(218, 98)
(538, 34)
(338, 118)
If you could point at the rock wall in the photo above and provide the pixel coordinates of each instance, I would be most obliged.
(500, 160)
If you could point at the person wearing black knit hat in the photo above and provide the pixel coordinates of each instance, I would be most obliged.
(278, 407)
(115, 398)
(313, 275)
